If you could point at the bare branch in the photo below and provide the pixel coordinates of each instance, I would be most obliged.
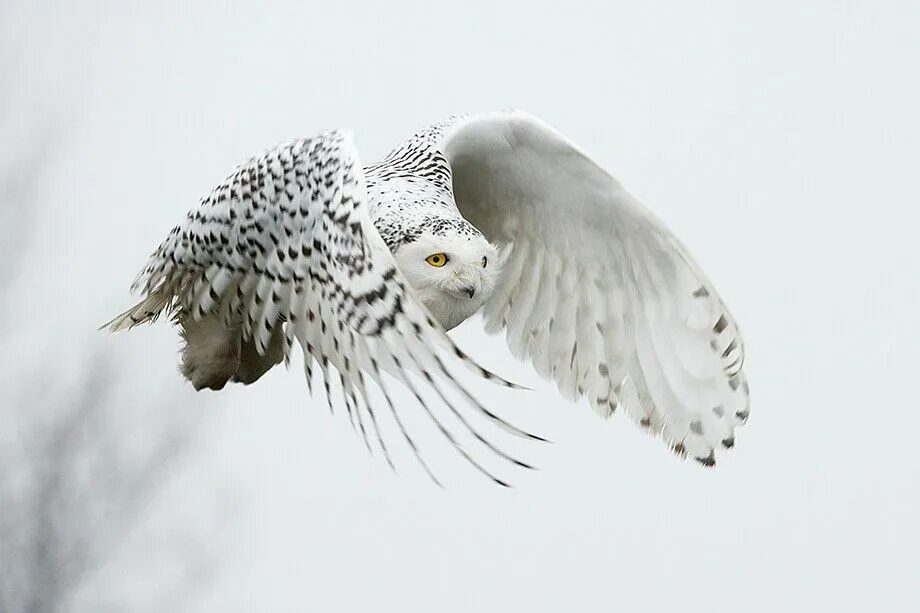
(78, 471)
(83, 484)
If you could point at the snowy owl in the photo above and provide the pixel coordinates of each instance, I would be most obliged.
(367, 267)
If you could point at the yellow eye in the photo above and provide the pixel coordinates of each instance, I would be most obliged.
(437, 259)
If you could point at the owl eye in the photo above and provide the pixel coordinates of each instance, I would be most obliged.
(437, 259)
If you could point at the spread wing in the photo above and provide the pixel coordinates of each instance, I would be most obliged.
(286, 244)
(596, 291)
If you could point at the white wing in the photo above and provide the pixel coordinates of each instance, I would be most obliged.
(286, 243)
(596, 291)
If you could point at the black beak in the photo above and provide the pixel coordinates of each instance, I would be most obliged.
(471, 291)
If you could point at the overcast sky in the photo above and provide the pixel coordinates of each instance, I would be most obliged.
(779, 141)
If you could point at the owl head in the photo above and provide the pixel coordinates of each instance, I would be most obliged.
(451, 267)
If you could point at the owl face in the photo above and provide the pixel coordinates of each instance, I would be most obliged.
(452, 274)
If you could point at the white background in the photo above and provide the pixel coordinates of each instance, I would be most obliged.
(780, 142)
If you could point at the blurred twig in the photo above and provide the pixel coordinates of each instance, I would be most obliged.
(82, 484)
(77, 471)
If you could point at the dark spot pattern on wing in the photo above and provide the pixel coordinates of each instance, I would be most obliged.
(283, 246)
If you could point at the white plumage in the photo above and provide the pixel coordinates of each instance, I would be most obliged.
(366, 269)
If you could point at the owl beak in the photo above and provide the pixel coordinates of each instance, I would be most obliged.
(471, 291)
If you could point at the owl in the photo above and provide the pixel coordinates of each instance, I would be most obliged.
(367, 267)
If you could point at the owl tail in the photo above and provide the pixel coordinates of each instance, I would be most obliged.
(214, 353)
(147, 310)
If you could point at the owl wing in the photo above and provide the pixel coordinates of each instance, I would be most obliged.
(595, 291)
(286, 243)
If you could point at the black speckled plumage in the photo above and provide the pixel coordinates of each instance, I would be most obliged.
(285, 249)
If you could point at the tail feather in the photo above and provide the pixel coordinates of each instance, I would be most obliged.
(214, 352)
(147, 310)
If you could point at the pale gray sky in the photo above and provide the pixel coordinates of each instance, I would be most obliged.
(779, 140)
